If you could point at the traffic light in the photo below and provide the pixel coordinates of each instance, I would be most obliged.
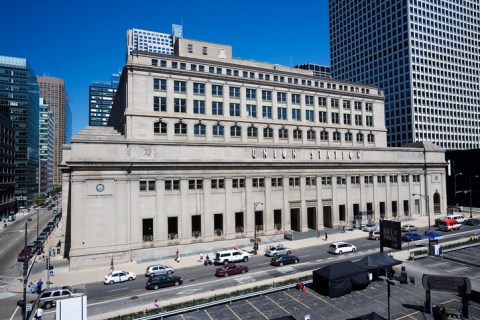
(46, 263)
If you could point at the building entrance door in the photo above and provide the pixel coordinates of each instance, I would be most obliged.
(327, 217)
(295, 219)
(312, 218)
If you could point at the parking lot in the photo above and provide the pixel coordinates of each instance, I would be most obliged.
(405, 303)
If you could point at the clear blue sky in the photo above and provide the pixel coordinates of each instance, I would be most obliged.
(84, 40)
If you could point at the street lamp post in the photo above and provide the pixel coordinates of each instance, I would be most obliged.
(455, 187)
(427, 206)
(470, 180)
(255, 243)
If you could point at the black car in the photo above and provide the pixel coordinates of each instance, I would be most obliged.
(163, 281)
(284, 259)
(472, 222)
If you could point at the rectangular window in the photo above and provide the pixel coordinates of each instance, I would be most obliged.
(171, 185)
(416, 178)
(369, 121)
(405, 178)
(282, 113)
(322, 116)
(355, 179)
(159, 104)
(347, 118)
(195, 184)
(381, 179)
(295, 98)
(309, 115)
(258, 182)
(368, 179)
(358, 105)
(159, 84)
(358, 119)
(393, 179)
(294, 182)
(238, 183)
(368, 107)
(179, 86)
(309, 100)
(251, 93)
(218, 131)
(267, 112)
(266, 95)
(198, 106)
(311, 181)
(296, 115)
(335, 117)
(147, 185)
(281, 97)
(341, 181)
(234, 92)
(326, 181)
(346, 104)
(334, 103)
(251, 111)
(234, 109)
(217, 90)
(217, 108)
(198, 88)
(218, 183)
(180, 105)
(277, 182)
(154, 62)
(322, 101)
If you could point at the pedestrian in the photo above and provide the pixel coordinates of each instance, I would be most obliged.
(39, 286)
(440, 252)
(318, 233)
(39, 314)
(156, 304)
(343, 229)
(177, 256)
(326, 236)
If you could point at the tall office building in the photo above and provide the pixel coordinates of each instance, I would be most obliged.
(55, 94)
(7, 158)
(19, 97)
(46, 147)
(150, 41)
(100, 97)
(318, 70)
(424, 55)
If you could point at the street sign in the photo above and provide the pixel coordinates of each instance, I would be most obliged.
(50, 272)
(29, 307)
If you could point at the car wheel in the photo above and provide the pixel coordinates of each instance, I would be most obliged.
(289, 252)
(353, 249)
(245, 259)
(130, 278)
(274, 255)
(48, 305)
(177, 283)
(152, 274)
(225, 262)
(169, 272)
(296, 261)
(225, 274)
(243, 271)
(280, 264)
(111, 282)
(155, 287)
(340, 252)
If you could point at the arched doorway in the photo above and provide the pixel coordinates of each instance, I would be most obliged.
(436, 203)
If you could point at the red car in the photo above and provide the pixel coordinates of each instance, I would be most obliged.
(230, 269)
(25, 254)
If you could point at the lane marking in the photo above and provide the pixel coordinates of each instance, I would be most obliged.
(120, 289)
(278, 305)
(458, 269)
(233, 312)
(257, 310)
(296, 300)
(409, 315)
(208, 314)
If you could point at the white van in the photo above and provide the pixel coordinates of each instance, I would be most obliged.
(458, 217)
(227, 256)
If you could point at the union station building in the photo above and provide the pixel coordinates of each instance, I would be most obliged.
(204, 151)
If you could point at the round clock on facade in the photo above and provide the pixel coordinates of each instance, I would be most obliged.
(100, 187)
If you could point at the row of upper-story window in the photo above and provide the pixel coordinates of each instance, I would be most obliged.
(266, 95)
(257, 75)
(250, 111)
(218, 130)
(259, 182)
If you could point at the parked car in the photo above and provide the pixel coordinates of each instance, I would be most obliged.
(49, 298)
(227, 256)
(25, 254)
(341, 247)
(409, 227)
(374, 235)
(230, 269)
(411, 236)
(370, 227)
(472, 222)
(156, 270)
(119, 276)
(284, 259)
(274, 251)
(163, 281)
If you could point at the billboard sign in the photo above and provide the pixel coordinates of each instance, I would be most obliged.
(390, 234)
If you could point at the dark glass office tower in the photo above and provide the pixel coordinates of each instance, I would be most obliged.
(101, 94)
(424, 55)
(19, 93)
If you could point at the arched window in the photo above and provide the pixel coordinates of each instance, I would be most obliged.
(235, 131)
(297, 134)
(159, 127)
(348, 136)
(359, 137)
(217, 131)
(324, 135)
(267, 132)
(283, 133)
(336, 136)
(371, 137)
(311, 135)
(199, 129)
(252, 132)
(180, 128)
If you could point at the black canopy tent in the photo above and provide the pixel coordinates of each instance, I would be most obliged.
(338, 279)
(378, 263)
(370, 316)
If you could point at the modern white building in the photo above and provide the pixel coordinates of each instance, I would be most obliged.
(46, 147)
(204, 151)
(424, 55)
(150, 41)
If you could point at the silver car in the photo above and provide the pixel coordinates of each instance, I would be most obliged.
(277, 250)
(159, 269)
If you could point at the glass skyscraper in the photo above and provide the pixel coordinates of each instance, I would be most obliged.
(19, 93)
(424, 55)
(101, 95)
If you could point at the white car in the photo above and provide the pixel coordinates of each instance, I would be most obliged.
(374, 235)
(277, 250)
(119, 276)
(370, 227)
(409, 227)
(341, 247)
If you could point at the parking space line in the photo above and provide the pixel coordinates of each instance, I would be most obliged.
(458, 269)
(437, 264)
(233, 312)
(277, 304)
(208, 314)
(327, 302)
(408, 315)
(257, 309)
(303, 304)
